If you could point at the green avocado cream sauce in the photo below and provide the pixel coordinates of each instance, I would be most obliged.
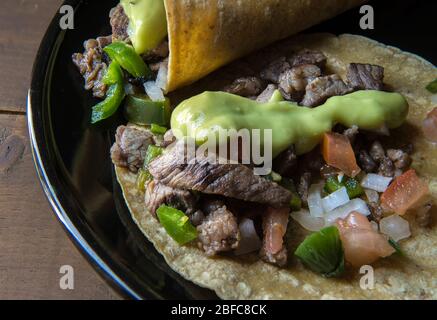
(210, 112)
(147, 23)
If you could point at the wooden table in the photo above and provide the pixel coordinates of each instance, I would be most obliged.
(33, 246)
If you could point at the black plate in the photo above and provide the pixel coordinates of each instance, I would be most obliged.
(72, 159)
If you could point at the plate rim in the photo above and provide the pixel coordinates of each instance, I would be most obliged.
(93, 252)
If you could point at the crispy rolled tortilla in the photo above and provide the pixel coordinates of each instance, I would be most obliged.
(247, 277)
(207, 34)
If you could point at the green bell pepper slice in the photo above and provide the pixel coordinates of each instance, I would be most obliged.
(177, 224)
(152, 153)
(128, 59)
(352, 186)
(143, 111)
(157, 129)
(114, 97)
(322, 252)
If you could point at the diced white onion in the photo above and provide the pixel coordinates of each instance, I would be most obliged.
(307, 221)
(161, 79)
(335, 200)
(153, 91)
(249, 241)
(395, 227)
(315, 200)
(372, 195)
(357, 205)
(376, 182)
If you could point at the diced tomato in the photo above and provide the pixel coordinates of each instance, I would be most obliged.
(429, 126)
(338, 153)
(406, 192)
(275, 226)
(361, 243)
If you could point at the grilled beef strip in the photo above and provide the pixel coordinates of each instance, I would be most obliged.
(229, 180)
(130, 147)
(308, 57)
(219, 231)
(365, 76)
(119, 22)
(274, 69)
(292, 82)
(158, 194)
(322, 88)
(245, 87)
(285, 163)
(92, 66)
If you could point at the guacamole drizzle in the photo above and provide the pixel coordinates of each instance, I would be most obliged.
(291, 124)
(147, 23)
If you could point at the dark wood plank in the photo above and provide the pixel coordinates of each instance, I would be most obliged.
(22, 25)
(33, 245)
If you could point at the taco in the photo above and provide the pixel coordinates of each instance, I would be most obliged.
(352, 182)
(186, 40)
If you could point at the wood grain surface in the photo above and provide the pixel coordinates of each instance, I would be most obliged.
(33, 246)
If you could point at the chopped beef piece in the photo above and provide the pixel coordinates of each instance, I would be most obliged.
(119, 23)
(169, 138)
(312, 161)
(92, 67)
(197, 218)
(366, 162)
(423, 215)
(201, 174)
(327, 171)
(322, 88)
(365, 76)
(130, 147)
(376, 212)
(272, 72)
(377, 151)
(386, 167)
(293, 82)
(400, 158)
(158, 194)
(246, 87)
(285, 162)
(351, 133)
(104, 41)
(267, 94)
(219, 231)
(308, 57)
(159, 53)
(274, 225)
(304, 185)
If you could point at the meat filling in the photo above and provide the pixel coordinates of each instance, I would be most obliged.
(219, 231)
(158, 194)
(92, 67)
(322, 88)
(365, 76)
(130, 147)
(229, 180)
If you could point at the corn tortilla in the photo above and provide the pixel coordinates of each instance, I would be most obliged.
(413, 277)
